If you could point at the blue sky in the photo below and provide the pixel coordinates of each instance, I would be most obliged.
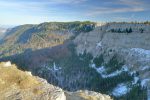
(15, 12)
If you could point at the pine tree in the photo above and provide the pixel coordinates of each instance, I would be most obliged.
(130, 30)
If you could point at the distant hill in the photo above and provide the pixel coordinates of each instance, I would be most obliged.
(33, 37)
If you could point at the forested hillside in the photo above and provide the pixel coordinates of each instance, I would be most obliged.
(32, 37)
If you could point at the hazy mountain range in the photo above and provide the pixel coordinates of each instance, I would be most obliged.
(2, 32)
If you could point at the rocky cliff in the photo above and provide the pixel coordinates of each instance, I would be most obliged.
(21, 85)
(132, 47)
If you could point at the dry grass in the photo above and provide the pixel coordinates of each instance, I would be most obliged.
(88, 97)
(12, 76)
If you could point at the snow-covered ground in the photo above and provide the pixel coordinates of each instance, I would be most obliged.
(103, 72)
(142, 54)
(99, 44)
(144, 82)
(141, 51)
(132, 73)
(136, 79)
(112, 74)
(56, 68)
(145, 68)
(120, 90)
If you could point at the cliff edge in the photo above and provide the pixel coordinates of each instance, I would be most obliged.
(21, 85)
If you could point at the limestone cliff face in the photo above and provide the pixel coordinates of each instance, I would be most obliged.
(132, 47)
(102, 37)
(19, 85)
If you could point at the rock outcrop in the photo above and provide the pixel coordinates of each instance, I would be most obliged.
(19, 85)
(86, 95)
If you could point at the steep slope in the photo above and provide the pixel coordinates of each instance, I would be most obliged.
(133, 48)
(18, 85)
(103, 36)
(33, 37)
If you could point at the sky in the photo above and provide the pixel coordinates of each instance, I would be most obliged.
(17, 12)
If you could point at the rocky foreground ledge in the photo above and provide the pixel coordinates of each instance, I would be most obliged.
(19, 85)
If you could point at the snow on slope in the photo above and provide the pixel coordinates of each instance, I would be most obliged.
(144, 82)
(103, 71)
(120, 90)
(142, 54)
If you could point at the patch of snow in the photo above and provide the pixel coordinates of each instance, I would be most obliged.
(99, 44)
(93, 65)
(117, 72)
(142, 54)
(136, 79)
(51, 68)
(144, 82)
(55, 67)
(141, 51)
(103, 72)
(82, 52)
(120, 90)
(100, 69)
(132, 73)
(145, 68)
(125, 68)
(112, 74)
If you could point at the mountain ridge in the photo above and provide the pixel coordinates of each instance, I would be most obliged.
(42, 35)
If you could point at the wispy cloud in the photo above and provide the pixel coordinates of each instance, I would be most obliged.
(30, 8)
(67, 1)
(98, 11)
(130, 2)
(38, 7)
(35, 11)
(21, 5)
(118, 6)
